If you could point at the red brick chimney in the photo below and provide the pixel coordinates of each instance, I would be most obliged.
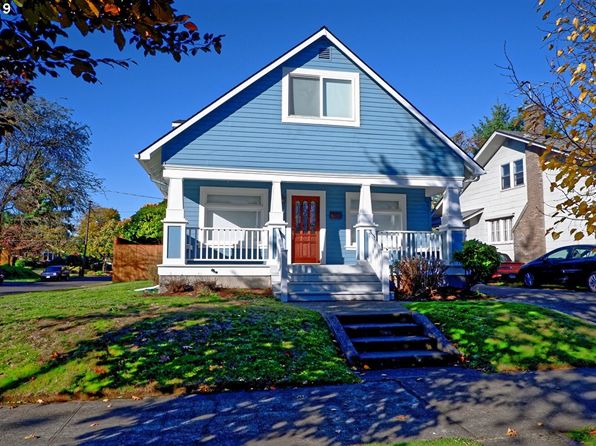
(533, 119)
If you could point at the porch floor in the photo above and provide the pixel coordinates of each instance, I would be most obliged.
(362, 306)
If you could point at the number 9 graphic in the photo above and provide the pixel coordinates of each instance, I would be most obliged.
(6, 8)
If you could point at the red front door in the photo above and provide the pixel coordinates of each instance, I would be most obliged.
(305, 229)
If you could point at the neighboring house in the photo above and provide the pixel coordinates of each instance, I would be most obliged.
(308, 173)
(511, 207)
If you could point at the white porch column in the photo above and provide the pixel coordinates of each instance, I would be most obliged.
(365, 221)
(174, 229)
(453, 230)
(276, 220)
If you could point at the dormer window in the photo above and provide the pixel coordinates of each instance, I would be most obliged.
(321, 97)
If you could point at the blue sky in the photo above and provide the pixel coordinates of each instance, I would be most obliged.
(441, 55)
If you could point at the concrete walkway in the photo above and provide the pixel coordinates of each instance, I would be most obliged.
(353, 306)
(580, 304)
(388, 406)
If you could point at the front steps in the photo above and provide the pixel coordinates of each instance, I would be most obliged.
(387, 340)
(312, 283)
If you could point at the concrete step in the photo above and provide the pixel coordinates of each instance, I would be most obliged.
(359, 268)
(334, 278)
(368, 329)
(322, 287)
(319, 297)
(375, 317)
(403, 358)
(394, 343)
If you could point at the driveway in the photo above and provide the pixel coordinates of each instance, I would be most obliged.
(581, 304)
(75, 282)
(388, 407)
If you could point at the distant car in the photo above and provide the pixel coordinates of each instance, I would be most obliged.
(508, 269)
(569, 266)
(55, 272)
(1, 277)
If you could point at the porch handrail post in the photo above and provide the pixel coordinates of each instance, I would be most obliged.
(174, 234)
(385, 274)
(365, 222)
(283, 274)
(453, 233)
(276, 220)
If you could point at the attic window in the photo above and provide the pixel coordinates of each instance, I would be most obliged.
(321, 97)
(325, 53)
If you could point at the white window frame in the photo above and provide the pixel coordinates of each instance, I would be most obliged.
(512, 183)
(354, 121)
(402, 198)
(505, 237)
(236, 191)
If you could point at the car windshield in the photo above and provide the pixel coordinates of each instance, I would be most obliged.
(504, 257)
(53, 268)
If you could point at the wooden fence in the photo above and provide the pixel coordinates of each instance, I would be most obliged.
(133, 261)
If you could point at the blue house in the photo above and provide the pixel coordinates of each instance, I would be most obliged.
(310, 177)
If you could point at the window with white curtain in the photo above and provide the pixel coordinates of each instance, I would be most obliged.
(389, 213)
(233, 208)
(321, 97)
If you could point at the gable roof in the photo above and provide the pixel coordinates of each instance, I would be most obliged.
(471, 165)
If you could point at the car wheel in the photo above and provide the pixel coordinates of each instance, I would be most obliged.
(530, 280)
(592, 282)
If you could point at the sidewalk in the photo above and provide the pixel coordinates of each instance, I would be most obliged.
(388, 406)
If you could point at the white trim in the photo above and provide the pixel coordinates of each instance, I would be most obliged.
(236, 191)
(511, 164)
(402, 198)
(237, 174)
(471, 216)
(323, 219)
(323, 32)
(354, 78)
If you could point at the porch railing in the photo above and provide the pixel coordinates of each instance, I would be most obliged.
(401, 244)
(227, 244)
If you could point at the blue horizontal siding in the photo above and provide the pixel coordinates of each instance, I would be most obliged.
(418, 209)
(247, 132)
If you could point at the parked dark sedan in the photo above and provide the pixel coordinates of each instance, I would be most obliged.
(569, 266)
(55, 272)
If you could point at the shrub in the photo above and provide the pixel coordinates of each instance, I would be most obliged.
(16, 272)
(177, 285)
(20, 263)
(479, 259)
(418, 276)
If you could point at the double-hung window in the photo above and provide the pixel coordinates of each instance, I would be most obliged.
(501, 230)
(321, 97)
(517, 167)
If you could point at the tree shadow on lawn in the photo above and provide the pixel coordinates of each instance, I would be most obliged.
(222, 348)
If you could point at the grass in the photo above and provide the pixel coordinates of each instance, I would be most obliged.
(499, 336)
(29, 280)
(585, 436)
(437, 442)
(112, 341)
(19, 273)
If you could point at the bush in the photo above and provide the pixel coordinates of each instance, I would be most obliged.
(479, 259)
(418, 276)
(20, 263)
(18, 272)
(152, 274)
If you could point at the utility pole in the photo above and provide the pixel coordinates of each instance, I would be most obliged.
(82, 269)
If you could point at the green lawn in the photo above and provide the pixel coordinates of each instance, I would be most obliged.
(499, 336)
(112, 341)
(585, 436)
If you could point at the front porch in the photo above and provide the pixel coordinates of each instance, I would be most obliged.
(259, 234)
